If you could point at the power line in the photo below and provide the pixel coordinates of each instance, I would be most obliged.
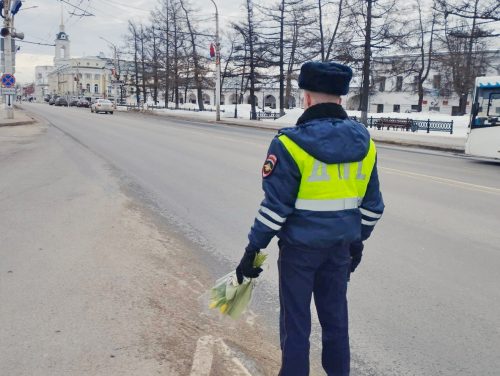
(85, 12)
(41, 44)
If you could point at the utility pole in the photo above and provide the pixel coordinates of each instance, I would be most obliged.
(9, 105)
(217, 64)
(117, 74)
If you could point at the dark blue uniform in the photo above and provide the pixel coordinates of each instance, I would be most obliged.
(316, 245)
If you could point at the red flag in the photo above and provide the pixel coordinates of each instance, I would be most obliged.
(212, 50)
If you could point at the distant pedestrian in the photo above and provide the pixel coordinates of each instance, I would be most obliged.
(322, 200)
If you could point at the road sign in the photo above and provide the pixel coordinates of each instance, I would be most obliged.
(8, 91)
(8, 80)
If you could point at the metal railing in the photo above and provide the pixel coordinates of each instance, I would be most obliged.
(187, 109)
(266, 115)
(152, 107)
(408, 124)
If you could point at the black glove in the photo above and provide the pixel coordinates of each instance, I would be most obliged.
(245, 268)
(356, 250)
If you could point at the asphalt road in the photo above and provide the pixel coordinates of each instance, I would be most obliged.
(425, 300)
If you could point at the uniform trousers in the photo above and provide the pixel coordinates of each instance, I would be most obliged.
(323, 273)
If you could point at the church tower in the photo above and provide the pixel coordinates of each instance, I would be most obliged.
(62, 55)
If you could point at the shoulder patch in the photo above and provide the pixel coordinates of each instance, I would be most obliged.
(269, 165)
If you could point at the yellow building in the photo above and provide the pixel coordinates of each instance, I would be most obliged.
(88, 77)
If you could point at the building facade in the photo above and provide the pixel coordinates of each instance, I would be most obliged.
(89, 77)
(394, 86)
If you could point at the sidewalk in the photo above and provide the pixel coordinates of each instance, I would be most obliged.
(435, 141)
(20, 118)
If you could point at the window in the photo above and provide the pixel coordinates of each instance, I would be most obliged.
(396, 108)
(436, 81)
(96, 88)
(39, 75)
(88, 88)
(97, 76)
(88, 76)
(381, 84)
(399, 83)
(414, 107)
(445, 103)
(380, 108)
(414, 84)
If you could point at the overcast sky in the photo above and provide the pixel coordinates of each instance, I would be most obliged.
(110, 21)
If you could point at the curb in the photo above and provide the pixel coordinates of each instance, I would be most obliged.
(15, 123)
(20, 122)
(271, 128)
(452, 149)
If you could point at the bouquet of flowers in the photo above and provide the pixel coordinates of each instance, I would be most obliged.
(229, 296)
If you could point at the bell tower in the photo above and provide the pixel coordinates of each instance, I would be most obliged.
(62, 43)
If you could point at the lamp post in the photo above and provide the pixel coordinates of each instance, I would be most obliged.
(236, 104)
(9, 105)
(217, 63)
(117, 70)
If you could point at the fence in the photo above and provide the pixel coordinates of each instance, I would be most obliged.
(149, 107)
(266, 115)
(409, 124)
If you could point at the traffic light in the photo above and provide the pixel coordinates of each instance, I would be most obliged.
(4, 32)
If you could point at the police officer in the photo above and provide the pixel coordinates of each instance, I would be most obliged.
(322, 200)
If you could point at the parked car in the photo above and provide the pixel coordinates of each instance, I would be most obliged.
(102, 105)
(46, 98)
(82, 102)
(73, 102)
(52, 100)
(61, 101)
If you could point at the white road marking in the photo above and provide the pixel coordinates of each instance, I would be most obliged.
(203, 357)
(240, 368)
(437, 179)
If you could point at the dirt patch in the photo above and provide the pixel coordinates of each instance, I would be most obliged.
(174, 285)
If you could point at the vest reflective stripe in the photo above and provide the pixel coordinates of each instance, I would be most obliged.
(328, 183)
(327, 205)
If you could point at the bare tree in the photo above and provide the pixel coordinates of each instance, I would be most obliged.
(420, 39)
(194, 55)
(249, 53)
(466, 28)
(326, 52)
(374, 21)
(135, 48)
(177, 45)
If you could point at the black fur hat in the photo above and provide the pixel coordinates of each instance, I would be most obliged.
(329, 77)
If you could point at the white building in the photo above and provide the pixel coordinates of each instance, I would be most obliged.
(396, 92)
(89, 77)
(42, 81)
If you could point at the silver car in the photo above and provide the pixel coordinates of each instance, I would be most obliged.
(102, 105)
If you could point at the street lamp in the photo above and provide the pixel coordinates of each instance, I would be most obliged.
(217, 63)
(236, 103)
(117, 70)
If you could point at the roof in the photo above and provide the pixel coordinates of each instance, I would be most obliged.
(491, 82)
(61, 35)
(490, 85)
